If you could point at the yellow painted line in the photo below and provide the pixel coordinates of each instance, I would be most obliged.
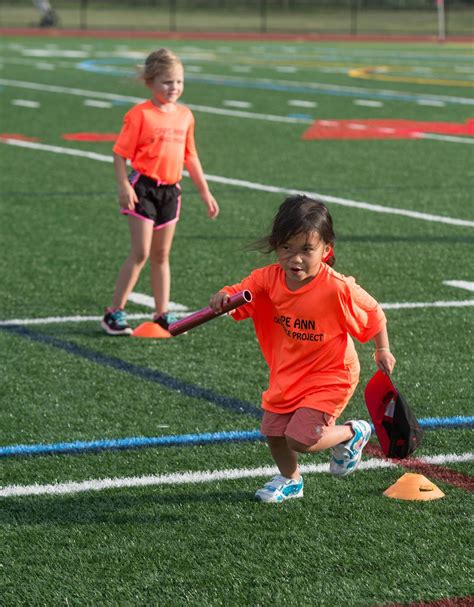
(373, 73)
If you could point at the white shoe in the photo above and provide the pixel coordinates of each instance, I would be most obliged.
(280, 489)
(345, 458)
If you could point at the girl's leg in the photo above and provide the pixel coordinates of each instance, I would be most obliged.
(331, 437)
(160, 267)
(141, 234)
(284, 456)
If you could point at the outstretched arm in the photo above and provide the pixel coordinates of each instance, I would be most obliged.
(197, 175)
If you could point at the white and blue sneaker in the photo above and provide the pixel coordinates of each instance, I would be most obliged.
(345, 457)
(280, 489)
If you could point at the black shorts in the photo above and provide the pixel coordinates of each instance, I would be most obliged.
(157, 203)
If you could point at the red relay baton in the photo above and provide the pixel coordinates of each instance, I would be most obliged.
(206, 314)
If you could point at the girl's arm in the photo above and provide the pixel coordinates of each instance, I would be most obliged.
(126, 194)
(197, 175)
(382, 355)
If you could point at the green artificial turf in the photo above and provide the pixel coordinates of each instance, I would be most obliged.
(62, 242)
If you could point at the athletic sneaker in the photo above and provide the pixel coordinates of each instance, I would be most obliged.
(280, 489)
(345, 458)
(115, 323)
(165, 320)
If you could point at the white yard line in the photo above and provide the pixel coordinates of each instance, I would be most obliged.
(429, 304)
(63, 319)
(149, 302)
(203, 476)
(448, 138)
(180, 313)
(460, 284)
(366, 206)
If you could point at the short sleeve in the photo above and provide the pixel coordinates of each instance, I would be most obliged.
(363, 316)
(127, 140)
(190, 145)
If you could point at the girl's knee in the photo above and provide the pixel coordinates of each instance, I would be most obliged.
(160, 256)
(138, 257)
(296, 445)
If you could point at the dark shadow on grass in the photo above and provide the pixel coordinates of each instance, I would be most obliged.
(147, 508)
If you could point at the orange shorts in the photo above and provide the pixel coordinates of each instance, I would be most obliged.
(307, 426)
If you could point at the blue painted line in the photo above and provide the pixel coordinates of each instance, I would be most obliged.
(185, 440)
(185, 388)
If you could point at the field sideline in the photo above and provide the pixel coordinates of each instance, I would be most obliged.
(128, 465)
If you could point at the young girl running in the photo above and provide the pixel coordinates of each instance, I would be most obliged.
(304, 315)
(158, 138)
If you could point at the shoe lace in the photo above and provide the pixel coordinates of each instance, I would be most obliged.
(119, 316)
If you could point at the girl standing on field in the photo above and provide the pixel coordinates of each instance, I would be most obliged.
(304, 315)
(157, 136)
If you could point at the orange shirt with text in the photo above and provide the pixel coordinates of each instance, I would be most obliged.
(305, 336)
(157, 143)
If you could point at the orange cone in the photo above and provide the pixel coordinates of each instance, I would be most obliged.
(414, 487)
(151, 330)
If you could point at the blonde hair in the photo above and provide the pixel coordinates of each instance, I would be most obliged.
(159, 62)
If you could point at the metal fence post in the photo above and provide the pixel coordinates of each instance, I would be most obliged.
(172, 15)
(354, 14)
(83, 15)
(263, 15)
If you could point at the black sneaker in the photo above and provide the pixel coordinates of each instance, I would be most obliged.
(165, 320)
(115, 323)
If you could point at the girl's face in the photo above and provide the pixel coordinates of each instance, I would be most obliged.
(301, 257)
(168, 86)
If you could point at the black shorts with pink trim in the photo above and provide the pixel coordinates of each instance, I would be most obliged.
(157, 202)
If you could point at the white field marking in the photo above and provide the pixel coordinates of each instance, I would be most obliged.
(62, 319)
(460, 284)
(203, 476)
(302, 103)
(250, 115)
(193, 68)
(149, 302)
(448, 138)
(97, 103)
(431, 102)
(198, 108)
(368, 103)
(235, 103)
(428, 304)
(355, 126)
(181, 313)
(45, 66)
(286, 69)
(26, 103)
(54, 52)
(259, 186)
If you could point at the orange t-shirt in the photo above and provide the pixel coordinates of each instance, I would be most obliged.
(305, 336)
(156, 142)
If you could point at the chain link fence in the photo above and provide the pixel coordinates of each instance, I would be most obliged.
(356, 17)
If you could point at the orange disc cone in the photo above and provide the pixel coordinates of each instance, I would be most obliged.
(151, 330)
(414, 487)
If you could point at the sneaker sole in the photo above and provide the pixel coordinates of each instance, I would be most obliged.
(277, 501)
(110, 331)
(347, 471)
